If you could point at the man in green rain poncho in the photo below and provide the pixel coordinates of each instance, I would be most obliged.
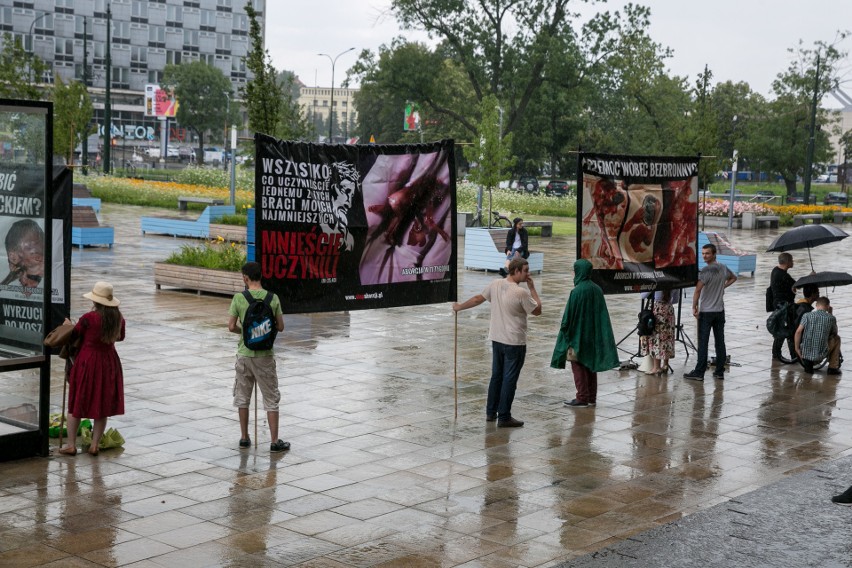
(585, 337)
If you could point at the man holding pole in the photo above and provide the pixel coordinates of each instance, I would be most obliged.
(510, 306)
(255, 366)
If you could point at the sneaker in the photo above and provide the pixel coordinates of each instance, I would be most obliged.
(831, 371)
(490, 417)
(844, 498)
(808, 365)
(593, 404)
(719, 375)
(509, 423)
(245, 442)
(694, 376)
(575, 403)
(279, 446)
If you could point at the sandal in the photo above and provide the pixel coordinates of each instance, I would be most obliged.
(245, 442)
(66, 451)
(93, 453)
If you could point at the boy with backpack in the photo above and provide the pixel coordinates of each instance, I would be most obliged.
(259, 316)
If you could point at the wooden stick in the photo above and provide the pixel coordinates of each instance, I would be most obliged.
(456, 363)
(62, 417)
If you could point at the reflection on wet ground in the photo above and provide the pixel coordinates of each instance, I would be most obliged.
(380, 472)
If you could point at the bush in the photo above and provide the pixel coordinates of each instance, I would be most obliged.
(217, 254)
(512, 202)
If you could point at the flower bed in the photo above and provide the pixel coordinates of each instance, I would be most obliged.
(210, 267)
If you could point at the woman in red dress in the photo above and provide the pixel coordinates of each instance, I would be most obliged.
(96, 382)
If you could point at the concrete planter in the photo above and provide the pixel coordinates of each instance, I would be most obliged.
(198, 279)
(233, 233)
(718, 222)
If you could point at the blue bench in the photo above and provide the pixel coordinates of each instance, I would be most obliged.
(93, 202)
(86, 229)
(483, 250)
(737, 261)
(178, 227)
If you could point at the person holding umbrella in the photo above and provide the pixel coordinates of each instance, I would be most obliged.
(816, 337)
(782, 284)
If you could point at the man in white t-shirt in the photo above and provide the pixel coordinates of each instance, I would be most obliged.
(510, 306)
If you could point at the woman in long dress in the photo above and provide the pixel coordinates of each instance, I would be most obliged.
(96, 382)
(661, 343)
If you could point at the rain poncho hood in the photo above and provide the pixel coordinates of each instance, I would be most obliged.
(585, 325)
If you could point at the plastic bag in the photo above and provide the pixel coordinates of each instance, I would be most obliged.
(110, 439)
(53, 426)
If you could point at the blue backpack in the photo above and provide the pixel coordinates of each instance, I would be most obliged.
(259, 325)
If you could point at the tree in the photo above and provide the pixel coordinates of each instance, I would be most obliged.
(781, 136)
(492, 154)
(202, 92)
(16, 65)
(72, 111)
(269, 100)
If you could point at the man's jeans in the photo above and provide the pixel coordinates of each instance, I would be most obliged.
(506, 364)
(708, 321)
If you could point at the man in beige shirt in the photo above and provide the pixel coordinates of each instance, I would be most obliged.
(510, 306)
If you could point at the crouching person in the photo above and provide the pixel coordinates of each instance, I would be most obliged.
(816, 338)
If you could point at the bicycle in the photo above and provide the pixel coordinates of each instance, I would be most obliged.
(129, 168)
(500, 221)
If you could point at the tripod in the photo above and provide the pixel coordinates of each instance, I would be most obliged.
(646, 304)
(680, 334)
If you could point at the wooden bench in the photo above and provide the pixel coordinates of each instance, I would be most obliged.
(841, 216)
(546, 227)
(736, 260)
(799, 220)
(93, 202)
(483, 250)
(80, 190)
(183, 200)
(86, 229)
(178, 227)
(771, 220)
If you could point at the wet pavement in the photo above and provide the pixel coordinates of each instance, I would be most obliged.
(381, 473)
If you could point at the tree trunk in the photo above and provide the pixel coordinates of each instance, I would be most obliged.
(790, 184)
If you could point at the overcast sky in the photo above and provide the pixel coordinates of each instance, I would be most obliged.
(740, 40)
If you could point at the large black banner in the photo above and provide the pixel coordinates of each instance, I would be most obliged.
(342, 227)
(638, 221)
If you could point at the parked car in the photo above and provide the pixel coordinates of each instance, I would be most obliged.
(795, 198)
(836, 198)
(213, 155)
(826, 178)
(528, 184)
(557, 188)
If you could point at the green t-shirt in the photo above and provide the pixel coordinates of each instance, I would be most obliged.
(238, 308)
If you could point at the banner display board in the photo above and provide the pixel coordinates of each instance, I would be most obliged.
(639, 221)
(159, 103)
(355, 227)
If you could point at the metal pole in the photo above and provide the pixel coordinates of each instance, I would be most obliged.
(32, 43)
(331, 107)
(733, 188)
(234, 166)
(85, 84)
(107, 101)
(812, 134)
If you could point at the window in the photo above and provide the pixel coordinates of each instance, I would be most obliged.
(238, 64)
(138, 57)
(121, 77)
(190, 39)
(223, 4)
(223, 43)
(42, 22)
(157, 36)
(208, 20)
(120, 32)
(140, 11)
(325, 103)
(6, 17)
(155, 77)
(64, 3)
(240, 23)
(63, 48)
(172, 57)
(174, 16)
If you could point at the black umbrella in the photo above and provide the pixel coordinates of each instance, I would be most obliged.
(825, 279)
(807, 236)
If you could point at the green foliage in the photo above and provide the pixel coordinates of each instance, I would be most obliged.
(72, 112)
(492, 154)
(202, 92)
(238, 219)
(218, 255)
(513, 202)
(16, 65)
(269, 100)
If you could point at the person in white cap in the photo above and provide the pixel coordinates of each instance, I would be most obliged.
(96, 381)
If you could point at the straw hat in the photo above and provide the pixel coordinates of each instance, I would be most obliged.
(102, 294)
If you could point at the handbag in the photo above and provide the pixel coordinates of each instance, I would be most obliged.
(60, 336)
(782, 322)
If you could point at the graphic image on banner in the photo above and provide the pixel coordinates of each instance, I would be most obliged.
(341, 227)
(639, 221)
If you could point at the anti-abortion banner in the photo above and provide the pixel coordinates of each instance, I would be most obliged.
(639, 221)
(343, 227)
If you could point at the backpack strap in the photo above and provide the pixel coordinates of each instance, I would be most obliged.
(268, 299)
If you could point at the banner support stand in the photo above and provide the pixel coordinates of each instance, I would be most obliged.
(456, 363)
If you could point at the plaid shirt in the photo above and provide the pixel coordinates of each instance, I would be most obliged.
(818, 326)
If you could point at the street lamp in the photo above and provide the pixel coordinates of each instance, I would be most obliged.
(32, 43)
(331, 108)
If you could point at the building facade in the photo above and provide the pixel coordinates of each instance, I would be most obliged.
(318, 106)
(146, 35)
